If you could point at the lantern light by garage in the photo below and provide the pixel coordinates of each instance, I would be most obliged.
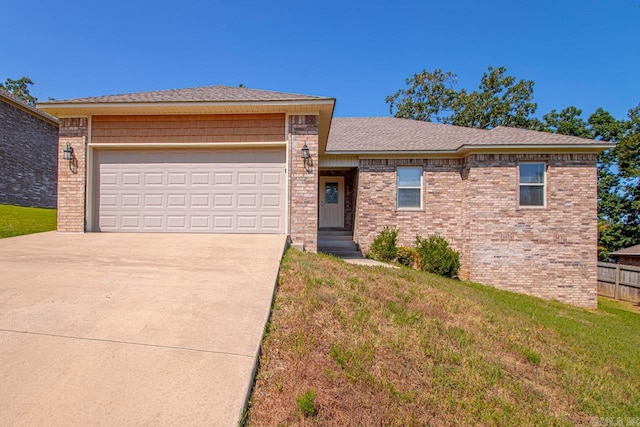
(67, 153)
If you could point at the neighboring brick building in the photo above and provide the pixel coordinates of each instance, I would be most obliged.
(28, 147)
(519, 205)
(628, 256)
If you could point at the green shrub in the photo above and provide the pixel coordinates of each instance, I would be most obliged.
(437, 257)
(384, 245)
(307, 403)
(408, 257)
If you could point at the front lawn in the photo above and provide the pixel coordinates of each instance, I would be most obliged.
(17, 220)
(349, 345)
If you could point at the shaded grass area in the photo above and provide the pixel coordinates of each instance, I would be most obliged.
(376, 346)
(18, 220)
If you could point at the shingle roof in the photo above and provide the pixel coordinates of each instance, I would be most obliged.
(8, 96)
(633, 250)
(371, 134)
(195, 94)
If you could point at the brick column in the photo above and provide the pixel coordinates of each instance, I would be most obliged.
(72, 175)
(303, 184)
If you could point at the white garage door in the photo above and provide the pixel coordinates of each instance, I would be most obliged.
(212, 191)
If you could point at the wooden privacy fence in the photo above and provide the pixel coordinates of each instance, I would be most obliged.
(619, 281)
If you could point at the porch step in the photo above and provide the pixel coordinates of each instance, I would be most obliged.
(338, 246)
(344, 254)
(339, 243)
(335, 238)
(334, 232)
(342, 244)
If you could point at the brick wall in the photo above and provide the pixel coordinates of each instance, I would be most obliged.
(188, 128)
(548, 252)
(376, 201)
(72, 176)
(303, 184)
(28, 161)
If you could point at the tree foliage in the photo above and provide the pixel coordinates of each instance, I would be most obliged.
(500, 100)
(503, 100)
(20, 89)
(619, 187)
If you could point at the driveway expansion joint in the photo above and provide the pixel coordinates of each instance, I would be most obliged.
(169, 347)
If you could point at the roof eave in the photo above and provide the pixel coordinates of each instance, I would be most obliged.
(31, 110)
(472, 149)
(61, 109)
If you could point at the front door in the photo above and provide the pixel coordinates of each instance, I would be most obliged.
(331, 201)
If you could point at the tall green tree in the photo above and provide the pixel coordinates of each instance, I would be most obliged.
(500, 100)
(618, 183)
(20, 89)
(567, 122)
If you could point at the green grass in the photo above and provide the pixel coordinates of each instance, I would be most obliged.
(402, 347)
(17, 220)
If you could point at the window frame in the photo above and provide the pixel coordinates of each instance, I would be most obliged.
(543, 184)
(421, 188)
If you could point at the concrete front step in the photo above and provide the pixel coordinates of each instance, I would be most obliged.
(338, 243)
(335, 233)
(325, 237)
(343, 254)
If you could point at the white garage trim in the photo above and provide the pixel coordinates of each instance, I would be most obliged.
(190, 190)
(147, 145)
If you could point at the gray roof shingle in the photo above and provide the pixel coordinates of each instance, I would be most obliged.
(194, 94)
(371, 134)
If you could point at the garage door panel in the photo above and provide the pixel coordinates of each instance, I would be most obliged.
(109, 179)
(227, 191)
(221, 179)
(200, 178)
(176, 201)
(154, 179)
(131, 201)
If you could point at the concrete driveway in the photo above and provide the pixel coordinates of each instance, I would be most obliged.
(132, 329)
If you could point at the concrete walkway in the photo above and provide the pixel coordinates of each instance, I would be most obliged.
(132, 329)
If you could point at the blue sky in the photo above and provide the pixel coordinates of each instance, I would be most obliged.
(579, 52)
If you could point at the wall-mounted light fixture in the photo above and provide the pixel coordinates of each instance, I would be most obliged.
(67, 153)
(306, 158)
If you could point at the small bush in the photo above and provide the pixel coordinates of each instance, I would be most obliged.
(437, 257)
(307, 403)
(408, 257)
(384, 245)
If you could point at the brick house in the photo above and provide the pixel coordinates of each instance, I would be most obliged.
(28, 162)
(628, 256)
(519, 205)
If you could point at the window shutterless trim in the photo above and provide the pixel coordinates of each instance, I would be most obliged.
(409, 187)
(542, 184)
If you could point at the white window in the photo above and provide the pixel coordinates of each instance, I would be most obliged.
(409, 194)
(532, 183)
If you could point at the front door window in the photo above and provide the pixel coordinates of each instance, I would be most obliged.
(331, 192)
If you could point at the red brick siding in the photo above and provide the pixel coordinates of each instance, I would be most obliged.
(72, 176)
(548, 252)
(303, 185)
(376, 195)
